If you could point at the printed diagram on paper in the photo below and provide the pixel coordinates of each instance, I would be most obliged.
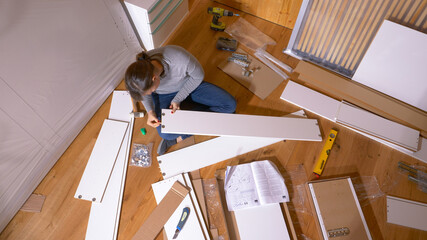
(254, 184)
(240, 188)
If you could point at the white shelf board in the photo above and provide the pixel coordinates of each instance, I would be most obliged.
(104, 217)
(101, 161)
(209, 152)
(377, 126)
(225, 124)
(311, 100)
(407, 213)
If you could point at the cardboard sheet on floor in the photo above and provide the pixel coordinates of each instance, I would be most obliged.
(34, 203)
(195, 227)
(261, 82)
(173, 195)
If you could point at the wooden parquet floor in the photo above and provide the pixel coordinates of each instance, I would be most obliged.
(64, 217)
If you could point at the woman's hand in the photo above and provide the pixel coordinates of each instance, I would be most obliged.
(152, 119)
(174, 106)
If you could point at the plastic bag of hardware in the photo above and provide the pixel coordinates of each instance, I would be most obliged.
(141, 155)
(249, 35)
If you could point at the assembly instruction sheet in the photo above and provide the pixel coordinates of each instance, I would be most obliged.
(254, 184)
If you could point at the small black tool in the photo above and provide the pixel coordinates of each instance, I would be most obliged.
(226, 44)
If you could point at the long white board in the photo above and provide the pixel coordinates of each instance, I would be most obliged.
(104, 217)
(407, 213)
(225, 124)
(209, 152)
(308, 99)
(311, 100)
(395, 64)
(377, 126)
(101, 161)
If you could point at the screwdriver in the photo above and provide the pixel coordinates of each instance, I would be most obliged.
(183, 219)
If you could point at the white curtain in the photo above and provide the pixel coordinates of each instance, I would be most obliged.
(59, 61)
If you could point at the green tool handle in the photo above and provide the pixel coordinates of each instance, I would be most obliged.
(183, 219)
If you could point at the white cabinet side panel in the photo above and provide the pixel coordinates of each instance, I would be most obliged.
(377, 126)
(407, 213)
(225, 124)
(263, 222)
(311, 100)
(101, 161)
(209, 152)
(395, 64)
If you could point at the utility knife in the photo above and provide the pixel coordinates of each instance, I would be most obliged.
(182, 220)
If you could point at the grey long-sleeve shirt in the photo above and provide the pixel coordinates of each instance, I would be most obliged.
(182, 74)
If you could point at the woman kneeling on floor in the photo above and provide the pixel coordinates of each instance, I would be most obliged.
(165, 77)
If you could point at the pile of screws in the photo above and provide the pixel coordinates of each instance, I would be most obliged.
(244, 61)
(141, 155)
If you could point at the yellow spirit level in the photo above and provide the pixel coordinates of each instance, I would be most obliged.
(320, 165)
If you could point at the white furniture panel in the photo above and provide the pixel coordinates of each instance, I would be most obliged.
(101, 161)
(407, 213)
(311, 100)
(377, 126)
(155, 20)
(263, 222)
(395, 64)
(121, 106)
(225, 124)
(104, 217)
(209, 152)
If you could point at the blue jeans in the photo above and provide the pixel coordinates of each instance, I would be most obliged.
(208, 97)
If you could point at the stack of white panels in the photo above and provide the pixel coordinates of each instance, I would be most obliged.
(394, 135)
(102, 160)
(104, 179)
(377, 126)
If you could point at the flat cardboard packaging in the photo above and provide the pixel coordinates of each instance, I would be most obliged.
(161, 214)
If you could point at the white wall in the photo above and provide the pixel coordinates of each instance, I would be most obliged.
(59, 61)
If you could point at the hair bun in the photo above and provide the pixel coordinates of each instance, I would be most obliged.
(142, 56)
